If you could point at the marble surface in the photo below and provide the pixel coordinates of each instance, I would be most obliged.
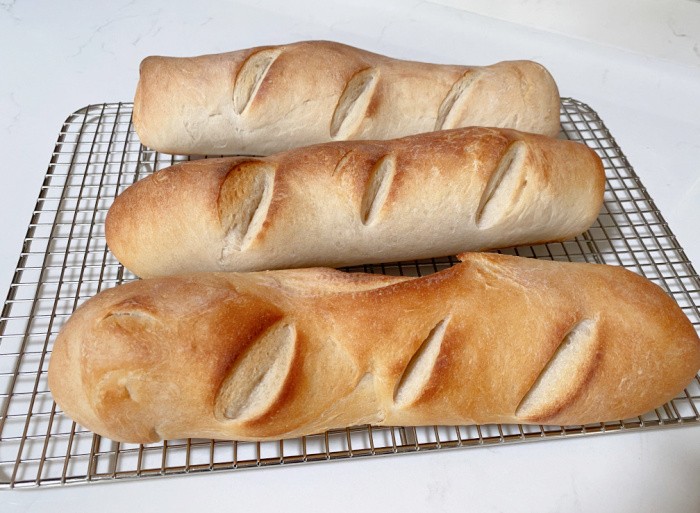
(639, 71)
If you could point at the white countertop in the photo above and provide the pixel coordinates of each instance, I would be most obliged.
(636, 63)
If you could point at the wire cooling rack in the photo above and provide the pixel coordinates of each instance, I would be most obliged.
(64, 261)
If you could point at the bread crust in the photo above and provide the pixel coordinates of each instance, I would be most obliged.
(269, 99)
(255, 356)
(351, 203)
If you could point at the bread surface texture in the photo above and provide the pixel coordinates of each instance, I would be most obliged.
(268, 99)
(358, 202)
(278, 354)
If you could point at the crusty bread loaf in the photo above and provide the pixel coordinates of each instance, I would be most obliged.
(358, 202)
(269, 99)
(252, 356)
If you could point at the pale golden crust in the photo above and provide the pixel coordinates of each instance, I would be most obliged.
(269, 99)
(165, 358)
(357, 202)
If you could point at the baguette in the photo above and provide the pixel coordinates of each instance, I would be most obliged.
(269, 99)
(278, 354)
(350, 203)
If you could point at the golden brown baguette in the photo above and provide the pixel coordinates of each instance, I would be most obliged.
(350, 203)
(495, 339)
(269, 99)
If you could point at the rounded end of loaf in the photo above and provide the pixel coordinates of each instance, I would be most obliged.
(581, 184)
(141, 362)
(183, 105)
(158, 98)
(519, 95)
(150, 119)
(648, 352)
(64, 375)
(581, 170)
(94, 398)
(541, 190)
(541, 94)
(138, 118)
(167, 223)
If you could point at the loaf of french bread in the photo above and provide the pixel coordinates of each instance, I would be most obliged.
(269, 99)
(276, 354)
(358, 202)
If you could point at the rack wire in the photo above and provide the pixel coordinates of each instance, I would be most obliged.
(64, 261)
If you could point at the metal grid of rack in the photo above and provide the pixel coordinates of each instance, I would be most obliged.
(64, 261)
